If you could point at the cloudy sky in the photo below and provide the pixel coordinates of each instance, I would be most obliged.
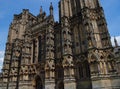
(10, 7)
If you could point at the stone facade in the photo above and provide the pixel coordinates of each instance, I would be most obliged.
(74, 53)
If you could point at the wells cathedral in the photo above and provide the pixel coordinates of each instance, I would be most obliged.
(73, 53)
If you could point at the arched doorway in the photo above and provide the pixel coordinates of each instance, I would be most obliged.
(39, 84)
(61, 85)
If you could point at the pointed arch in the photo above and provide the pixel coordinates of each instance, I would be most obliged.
(111, 63)
(61, 85)
(94, 57)
(38, 82)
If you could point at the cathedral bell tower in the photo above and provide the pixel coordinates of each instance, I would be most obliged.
(66, 44)
(85, 49)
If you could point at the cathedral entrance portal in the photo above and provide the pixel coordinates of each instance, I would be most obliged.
(39, 84)
(61, 85)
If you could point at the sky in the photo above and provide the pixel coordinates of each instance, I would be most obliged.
(10, 7)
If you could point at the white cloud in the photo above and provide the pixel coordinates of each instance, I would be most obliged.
(117, 38)
(0, 68)
(1, 59)
(1, 53)
(1, 56)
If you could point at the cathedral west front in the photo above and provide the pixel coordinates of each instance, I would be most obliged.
(73, 53)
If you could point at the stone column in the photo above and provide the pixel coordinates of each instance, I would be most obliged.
(67, 62)
(49, 64)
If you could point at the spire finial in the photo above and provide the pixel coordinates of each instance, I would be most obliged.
(51, 9)
(41, 11)
(51, 6)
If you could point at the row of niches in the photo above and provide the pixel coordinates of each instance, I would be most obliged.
(69, 41)
(4, 79)
(8, 52)
(26, 50)
(31, 22)
(13, 71)
(51, 46)
(50, 34)
(101, 23)
(6, 67)
(102, 67)
(8, 46)
(27, 41)
(50, 38)
(67, 51)
(50, 55)
(50, 50)
(67, 32)
(22, 77)
(7, 56)
(94, 13)
(5, 74)
(50, 31)
(67, 37)
(68, 44)
(14, 63)
(26, 61)
(26, 55)
(6, 62)
(50, 42)
(27, 77)
(28, 69)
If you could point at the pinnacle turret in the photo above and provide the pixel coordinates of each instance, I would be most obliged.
(41, 11)
(51, 9)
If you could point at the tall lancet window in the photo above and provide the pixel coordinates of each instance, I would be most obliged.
(33, 51)
(78, 5)
(39, 49)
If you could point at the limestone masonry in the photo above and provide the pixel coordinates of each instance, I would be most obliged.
(74, 53)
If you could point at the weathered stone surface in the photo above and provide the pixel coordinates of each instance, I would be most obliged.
(74, 53)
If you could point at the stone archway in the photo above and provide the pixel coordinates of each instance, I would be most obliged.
(61, 85)
(38, 82)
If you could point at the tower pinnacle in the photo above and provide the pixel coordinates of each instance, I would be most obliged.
(41, 11)
(51, 9)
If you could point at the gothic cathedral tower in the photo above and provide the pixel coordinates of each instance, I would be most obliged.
(90, 56)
